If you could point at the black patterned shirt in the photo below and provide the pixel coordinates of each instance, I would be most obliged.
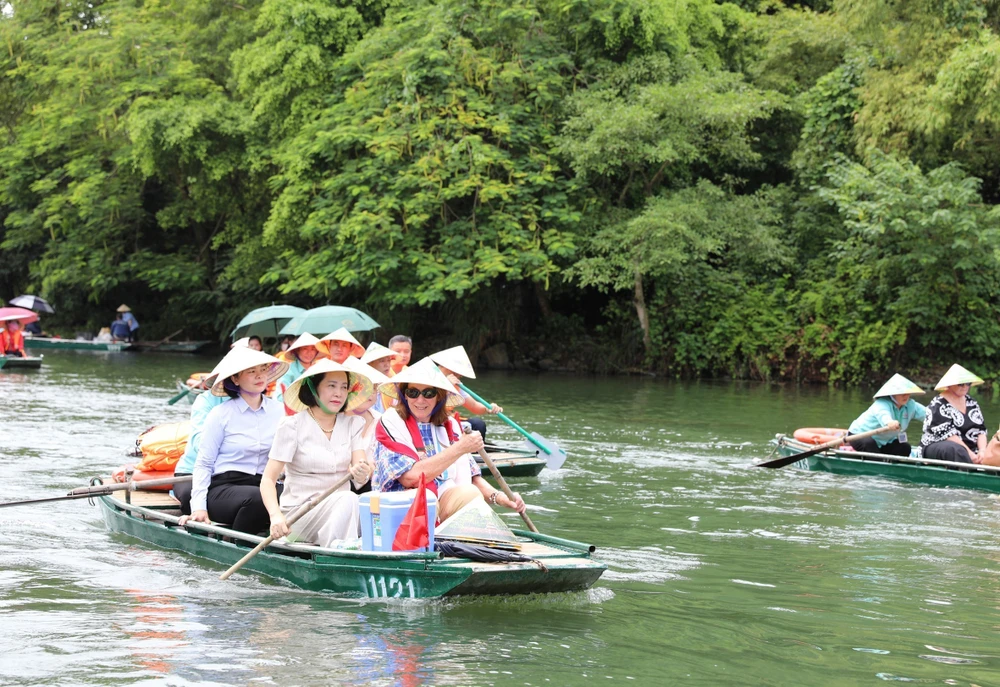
(945, 420)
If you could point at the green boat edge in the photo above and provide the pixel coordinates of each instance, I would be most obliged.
(856, 463)
(77, 345)
(517, 466)
(367, 575)
(29, 363)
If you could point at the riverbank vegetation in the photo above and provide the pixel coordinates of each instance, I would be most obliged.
(749, 189)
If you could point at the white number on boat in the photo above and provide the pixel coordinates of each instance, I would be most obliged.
(394, 587)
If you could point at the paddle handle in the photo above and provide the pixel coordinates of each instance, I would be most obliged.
(506, 419)
(289, 521)
(179, 396)
(788, 460)
(503, 483)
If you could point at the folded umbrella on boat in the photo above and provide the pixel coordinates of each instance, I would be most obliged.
(20, 314)
(327, 318)
(266, 321)
(36, 303)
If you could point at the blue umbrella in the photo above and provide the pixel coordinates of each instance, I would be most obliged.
(327, 318)
(266, 321)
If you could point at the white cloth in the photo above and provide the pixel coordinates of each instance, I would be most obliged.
(335, 519)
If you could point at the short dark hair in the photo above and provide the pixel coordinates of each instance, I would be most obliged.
(308, 398)
(400, 338)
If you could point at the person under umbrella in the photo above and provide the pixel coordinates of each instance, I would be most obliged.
(300, 357)
(12, 340)
(340, 344)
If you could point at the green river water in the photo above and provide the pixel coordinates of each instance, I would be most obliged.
(718, 573)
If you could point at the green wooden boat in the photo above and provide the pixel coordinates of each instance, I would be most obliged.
(170, 346)
(192, 394)
(937, 473)
(562, 565)
(512, 462)
(76, 344)
(15, 363)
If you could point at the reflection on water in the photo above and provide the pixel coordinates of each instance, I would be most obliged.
(718, 573)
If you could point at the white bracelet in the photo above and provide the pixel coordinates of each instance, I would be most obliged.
(493, 497)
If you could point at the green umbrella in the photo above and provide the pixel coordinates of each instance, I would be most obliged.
(266, 321)
(327, 318)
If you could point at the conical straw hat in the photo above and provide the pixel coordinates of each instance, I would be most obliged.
(359, 366)
(244, 342)
(376, 351)
(456, 360)
(957, 374)
(897, 385)
(361, 385)
(123, 308)
(306, 339)
(357, 350)
(424, 372)
(239, 359)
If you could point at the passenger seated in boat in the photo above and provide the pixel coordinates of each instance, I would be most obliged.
(455, 363)
(340, 344)
(367, 411)
(893, 408)
(379, 358)
(402, 346)
(954, 428)
(300, 356)
(418, 436)
(12, 340)
(235, 441)
(119, 328)
(315, 449)
(200, 409)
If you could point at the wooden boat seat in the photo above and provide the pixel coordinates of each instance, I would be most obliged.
(148, 499)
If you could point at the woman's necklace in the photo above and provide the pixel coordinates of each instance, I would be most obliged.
(320, 425)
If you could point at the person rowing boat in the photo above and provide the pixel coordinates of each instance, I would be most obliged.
(892, 408)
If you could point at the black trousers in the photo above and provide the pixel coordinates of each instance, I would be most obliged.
(234, 497)
(182, 492)
(947, 450)
(893, 448)
(478, 424)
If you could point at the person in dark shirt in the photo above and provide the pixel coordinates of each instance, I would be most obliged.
(119, 328)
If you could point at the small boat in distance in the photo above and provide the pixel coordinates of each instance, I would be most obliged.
(46, 342)
(937, 473)
(170, 346)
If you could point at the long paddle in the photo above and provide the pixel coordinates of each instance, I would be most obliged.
(788, 460)
(104, 490)
(163, 341)
(290, 521)
(179, 396)
(554, 456)
(503, 483)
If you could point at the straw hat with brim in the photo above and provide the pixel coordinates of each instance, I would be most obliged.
(361, 385)
(896, 386)
(376, 351)
(357, 350)
(306, 339)
(239, 359)
(456, 360)
(123, 308)
(244, 342)
(355, 365)
(957, 375)
(426, 373)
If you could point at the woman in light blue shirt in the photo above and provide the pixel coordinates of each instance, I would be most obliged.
(893, 408)
(234, 443)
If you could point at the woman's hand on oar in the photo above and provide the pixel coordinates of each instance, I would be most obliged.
(512, 498)
(788, 460)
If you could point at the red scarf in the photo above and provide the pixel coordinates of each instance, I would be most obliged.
(416, 449)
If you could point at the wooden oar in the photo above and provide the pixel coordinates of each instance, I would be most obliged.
(290, 521)
(503, 483)
(104, 490)
(163, 341)
(554, 456)
(788, 460)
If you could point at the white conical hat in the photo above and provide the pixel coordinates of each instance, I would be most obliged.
(359, 366)
(123, 308)
(376, 351)
(361, 385)
(424, 372)
(357, 350)
(244, 342)
(239, 359)
(897, 385)
(456, 360)
(957, 374)
(306, 339)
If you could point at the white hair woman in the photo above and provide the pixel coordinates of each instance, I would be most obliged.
(315, 448)
(954, 428)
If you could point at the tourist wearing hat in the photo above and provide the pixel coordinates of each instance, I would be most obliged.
(954, 428)
(315, 448)
(300, 356)
(893, 408)
(235, 441)
(418, 438)
(379, 358)
(402, 346)
(367, 410)
(455, 363)
(340, 344)
(129, 318)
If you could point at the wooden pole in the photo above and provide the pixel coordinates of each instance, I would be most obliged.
(788, 460)
(290, 521)
(503, 484)
(104, 490)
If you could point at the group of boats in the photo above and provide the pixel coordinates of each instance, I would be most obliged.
(50, 343)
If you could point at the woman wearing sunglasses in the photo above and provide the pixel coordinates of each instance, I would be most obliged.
(417, 437)
(954, 428)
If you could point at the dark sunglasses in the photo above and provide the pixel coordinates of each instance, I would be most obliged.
(430, 392)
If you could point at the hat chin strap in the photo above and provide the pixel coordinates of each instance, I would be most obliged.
(322, 406)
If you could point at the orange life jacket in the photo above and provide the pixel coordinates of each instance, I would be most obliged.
(11, 341)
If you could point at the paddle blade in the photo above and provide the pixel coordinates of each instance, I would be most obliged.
(554, 455)
(178, 397)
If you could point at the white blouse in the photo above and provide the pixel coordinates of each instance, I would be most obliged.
(314, 463)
